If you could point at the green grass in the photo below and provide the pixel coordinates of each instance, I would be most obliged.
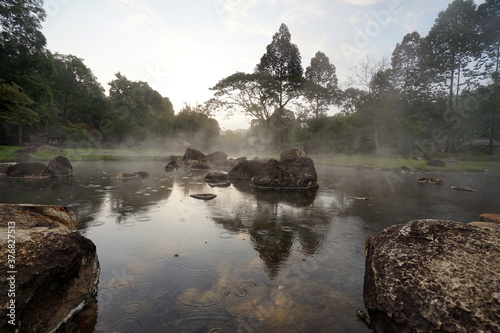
(371, 161)
(7, 154)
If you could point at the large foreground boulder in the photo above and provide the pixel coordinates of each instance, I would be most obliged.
(433, 276)
(55, 271)
(60, 166)
(28, 170)
(290, 174)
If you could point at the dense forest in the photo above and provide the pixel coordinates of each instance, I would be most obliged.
(437, 92)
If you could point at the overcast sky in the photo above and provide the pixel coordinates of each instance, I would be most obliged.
(182, 48)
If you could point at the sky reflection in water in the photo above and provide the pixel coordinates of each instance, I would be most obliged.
(247, 261)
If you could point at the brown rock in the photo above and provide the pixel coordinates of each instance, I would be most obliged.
(57, 269)
(193, 156)
(245, 169)
(60, 166)
(289, 174)
(433, 276)
(28, 170)
(493, 225)
(490, 217)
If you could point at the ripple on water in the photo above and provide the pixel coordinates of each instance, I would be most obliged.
(132, 308)
(143, 219)
(196, 260)
(206, 323)
(286, 229)
(263, 232)
(127, 325)
(190, 294)
(97, 223)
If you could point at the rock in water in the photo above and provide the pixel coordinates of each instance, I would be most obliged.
(433, 276)
(28, 170)
(289, 174)
(60, 166)
(216, 158)
(57, 269)
(193, 156)
(245, 169)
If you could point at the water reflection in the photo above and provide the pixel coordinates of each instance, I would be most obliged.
(248, 260)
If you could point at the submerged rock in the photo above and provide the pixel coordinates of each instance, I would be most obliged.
(425, 180)
(131, 175)
(28, 170)
(289, 174)
(203, 196)
(463, 188)
(217, 176)
(57, 269)
(490, 217)
(60, 166)
(433, 276)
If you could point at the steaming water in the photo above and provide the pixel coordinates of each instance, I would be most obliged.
(246, 261)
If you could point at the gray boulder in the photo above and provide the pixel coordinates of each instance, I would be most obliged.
(433, 276)
(216, 158)
(56, 268)
(60, 166)
(25, 158)
(192, 156)
(289, 174)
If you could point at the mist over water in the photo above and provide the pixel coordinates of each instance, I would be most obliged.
(246, 261)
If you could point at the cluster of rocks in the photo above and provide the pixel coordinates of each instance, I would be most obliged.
(59, 166)
(56, 268)
(434, 276)
(294, 171)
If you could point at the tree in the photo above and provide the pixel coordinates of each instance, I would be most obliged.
(321, 88)
(196, 127)
(453, 42)
(282, 62)
(489, 20)
(77, 94)
(251, 93)
(14, 108)
(137, 111)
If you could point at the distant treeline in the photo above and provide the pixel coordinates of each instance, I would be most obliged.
(436, 92)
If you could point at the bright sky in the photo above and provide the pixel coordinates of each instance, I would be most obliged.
(182, 48)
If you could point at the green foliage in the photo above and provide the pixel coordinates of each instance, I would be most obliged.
(196, 127)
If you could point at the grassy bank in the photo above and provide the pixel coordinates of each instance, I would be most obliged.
(473, 162)
(7, 154)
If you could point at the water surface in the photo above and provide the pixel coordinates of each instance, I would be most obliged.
(246, 261)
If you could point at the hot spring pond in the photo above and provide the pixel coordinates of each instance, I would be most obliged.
(246, 261)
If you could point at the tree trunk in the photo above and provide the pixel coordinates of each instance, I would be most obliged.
(20, 135)
(492, 127)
